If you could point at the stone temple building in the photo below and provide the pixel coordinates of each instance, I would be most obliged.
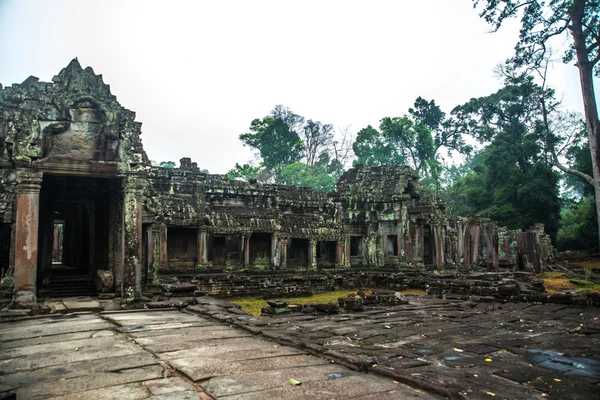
(82, 210)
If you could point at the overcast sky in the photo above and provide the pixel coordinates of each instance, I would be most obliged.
(198, 72)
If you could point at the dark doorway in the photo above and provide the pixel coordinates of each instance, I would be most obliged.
(73, 233)
(225, 250)
(428, 246)
(182, 247)
(260, 250)
(297, 252)
(326, 254)
(4, 249)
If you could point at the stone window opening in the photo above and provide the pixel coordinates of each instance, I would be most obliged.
(356, 243)
(391, 245)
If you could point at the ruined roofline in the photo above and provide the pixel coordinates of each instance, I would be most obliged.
(68, 77)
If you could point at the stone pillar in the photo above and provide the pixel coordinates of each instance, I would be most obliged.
(283, 244)
(312, 254)
(202, 256)
(339, 254)
(275, 249)
(163, 257)
(132, 284)
(26, 237)
(439, 246)
(494, 249)
(149, 253)
(247, 249)
(475, 233)
(116, 243)
(154, 253)
(347, 252)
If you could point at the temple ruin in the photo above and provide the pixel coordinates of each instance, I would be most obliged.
(82, 210)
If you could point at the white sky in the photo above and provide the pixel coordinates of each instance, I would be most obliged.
(198, 72)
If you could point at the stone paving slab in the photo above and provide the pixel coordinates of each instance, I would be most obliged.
(74, 369)
(466, 348)
(141, 355)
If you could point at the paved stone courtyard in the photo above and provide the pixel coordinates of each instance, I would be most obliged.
(168, 354)
(429, 348)
(456, 348)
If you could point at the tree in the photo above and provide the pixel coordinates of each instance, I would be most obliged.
(415, 139)
(318, 138)
(283, 139)
(301, 174)
(373, 148)
(277, 144)
(513, 181)
(244, 172)
(541, 21)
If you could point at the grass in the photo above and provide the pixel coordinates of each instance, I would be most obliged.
(555, 282)
(253, 305)
(590, 264)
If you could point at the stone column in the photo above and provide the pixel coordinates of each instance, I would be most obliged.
(347, 252)
(116, 243)
(247, 249)
(339, 254)
(154, 253)
(475, 233)
(149, 260)
(132, 284)
(26, 237)
(163, 257)
(312, 254)
(202, 256)
(283, 253)
(275, 249)
(439, 246)
(494, 249)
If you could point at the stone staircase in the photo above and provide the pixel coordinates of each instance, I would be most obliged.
(72, 285)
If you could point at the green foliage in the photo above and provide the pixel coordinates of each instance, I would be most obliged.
(511, 181)
(283, 139)
(413, 140)
(244, 172)
(167, 164)
(275, 140)
(373, 148)
(578, 226)
(398, 141)
(301, 174)
(580, 158)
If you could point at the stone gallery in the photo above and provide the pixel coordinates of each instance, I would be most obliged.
(83, 211)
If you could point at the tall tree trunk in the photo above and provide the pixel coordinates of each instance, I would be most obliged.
(586, 79)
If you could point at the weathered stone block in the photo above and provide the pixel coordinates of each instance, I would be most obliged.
(104, 281)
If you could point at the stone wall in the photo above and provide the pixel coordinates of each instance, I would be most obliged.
(157, 222)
